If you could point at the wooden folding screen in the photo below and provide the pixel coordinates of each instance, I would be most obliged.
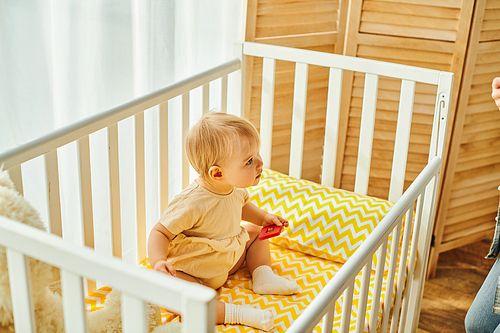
(428, 33)
(469, 195)
(304, 24)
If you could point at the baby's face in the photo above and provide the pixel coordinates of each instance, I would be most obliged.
(244, 168)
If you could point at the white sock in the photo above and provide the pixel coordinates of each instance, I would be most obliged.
(248, 316)
(265, 282)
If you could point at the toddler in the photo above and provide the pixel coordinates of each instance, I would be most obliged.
(199, 237)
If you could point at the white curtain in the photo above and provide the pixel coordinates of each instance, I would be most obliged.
(63, 60)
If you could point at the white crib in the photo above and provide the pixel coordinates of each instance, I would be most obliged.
(81, 265)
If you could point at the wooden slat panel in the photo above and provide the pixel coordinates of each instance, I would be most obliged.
(276, 7)
(307, 41)
(469, 201)
(303, 24)
(490, 29)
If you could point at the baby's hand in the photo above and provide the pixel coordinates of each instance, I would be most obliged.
(271, 219)
(165, 267)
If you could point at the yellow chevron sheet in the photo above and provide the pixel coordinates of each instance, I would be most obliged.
(311, 273)
(327, 225)
(324, 221)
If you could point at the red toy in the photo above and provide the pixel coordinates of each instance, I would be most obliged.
(270, 231)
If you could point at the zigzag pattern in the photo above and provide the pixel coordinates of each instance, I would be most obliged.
(311, 273)
(327, 225)
(324, 221)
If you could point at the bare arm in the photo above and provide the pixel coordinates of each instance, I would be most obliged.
(258, 216)
(158, 242)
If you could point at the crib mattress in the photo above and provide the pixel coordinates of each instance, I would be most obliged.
(310, 272)
(327, 225)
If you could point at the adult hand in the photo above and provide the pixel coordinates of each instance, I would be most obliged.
(495, 94)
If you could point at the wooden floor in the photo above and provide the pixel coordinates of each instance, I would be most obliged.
(448, 295)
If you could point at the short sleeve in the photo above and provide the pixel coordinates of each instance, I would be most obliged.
(179, 215)
(246, 196)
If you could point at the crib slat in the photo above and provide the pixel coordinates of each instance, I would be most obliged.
(54, 195)
(86, 198)
(206, 98)
(423, 249)
(134, 317)
(390, 276)
(237, 106)
(366, 134)
(86, 191)
(140, 183)
(331, 127)
(223, 102)
(163, 146)
(298, 120)
(17, 178)
(328, 318)
(402, 140)
(114, 191)
(379, 277)
(20, 290)
(185, 129)
(402, 272)
(346, 308)
(411, 264)
(197, 317)
(73, 302)
(363, 296)
(267, 110)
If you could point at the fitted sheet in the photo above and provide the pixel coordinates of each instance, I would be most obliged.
(310, 272)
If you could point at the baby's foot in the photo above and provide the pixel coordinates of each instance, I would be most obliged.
(248, 316)
(265, 282)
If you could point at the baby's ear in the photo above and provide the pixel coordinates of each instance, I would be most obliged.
(215, 172)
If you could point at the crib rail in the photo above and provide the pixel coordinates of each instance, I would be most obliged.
(195, 302)
(414, 202)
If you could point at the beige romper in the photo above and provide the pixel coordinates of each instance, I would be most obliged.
(209, 238)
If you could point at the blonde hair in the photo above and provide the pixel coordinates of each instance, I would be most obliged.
(215, 138)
